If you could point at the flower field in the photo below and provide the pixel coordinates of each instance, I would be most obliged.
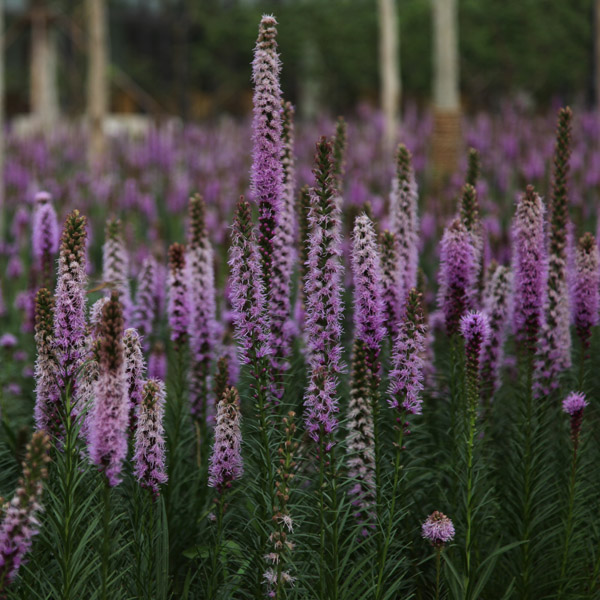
(270, 359)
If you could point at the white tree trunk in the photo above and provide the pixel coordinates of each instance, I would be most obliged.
(389, 71)
(97, 100)
(43, 87)
(445, 51)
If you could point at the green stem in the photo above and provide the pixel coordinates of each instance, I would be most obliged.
(438, 556)
(569, 523)
(214, 581)
(335, 521)
(322, 516)
(106, 541)
(388, 531)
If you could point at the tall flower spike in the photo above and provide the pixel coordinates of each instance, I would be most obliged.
(157, 362)
(496, 305)
(303, 209)
(391, 293)
(145, 309)
(178, 302)
(586, 288)
(247, 292)
(368, 294)
(110, 416)
(200, 265)
(115, 265)
(149, 453)
(474, 167)
(20, 521)
(573, 405)
(222, 379)
(135, 366)
(226, 464)
(406, 376)
(458, 273)
(360, 442)
(529, 268)
(340, 144)
(283, 259)
(475, 329)
(44, 239)
(47, 393)
(70, 298)
(267, 170)
(405, 221)
(323, 301)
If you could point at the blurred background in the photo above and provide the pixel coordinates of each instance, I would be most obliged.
(191, 58)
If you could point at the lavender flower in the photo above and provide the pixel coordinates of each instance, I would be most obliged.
(134, 372)
(406, 375)
(145, 309)
(115, 265)
(247, 292)
(20, 520)
(438, 529)
(529, 268)
(573, 405)
(44, 239)
(226, 463)
(178, 305)
(323, 301)
(69, 314)
(496, 305)
(360, 442)
(458, 272)
(157, 362)
(202, 308)
(586, 288)
(283, 258)
(557, 332)
(475, 328)
(405, 221)
(368, 294)
(110, 416)
(149, 453)
(47, 393)
(8, 341)
(391, 292)
(267, 172)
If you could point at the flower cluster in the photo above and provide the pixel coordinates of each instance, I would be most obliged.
(115, 266)
(178, 309)
(586, 288)
(438, 529)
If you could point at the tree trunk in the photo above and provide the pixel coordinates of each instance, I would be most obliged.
(389, 71)
(43, 88)
(446, 132)
(97, 101)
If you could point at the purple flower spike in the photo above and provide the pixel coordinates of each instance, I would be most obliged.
(323, 300)
(458, 273)
(368, 295)
(283, 258)
(226, 463)
(406, 376)
(496, 305)
(389, 281)
(44, 234)
(146, 308)
(70, 298)
(178, 305)
(475, 328)
(529, 268)
(20, 520)
(110, 416)
(267, 170)
(438, 529)
(157, 362)
(47, 393)
(115, 265)
(574, 403)
(135, 365)
(202, 307)
(586, 288)
(149, 453)
(247, 292)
